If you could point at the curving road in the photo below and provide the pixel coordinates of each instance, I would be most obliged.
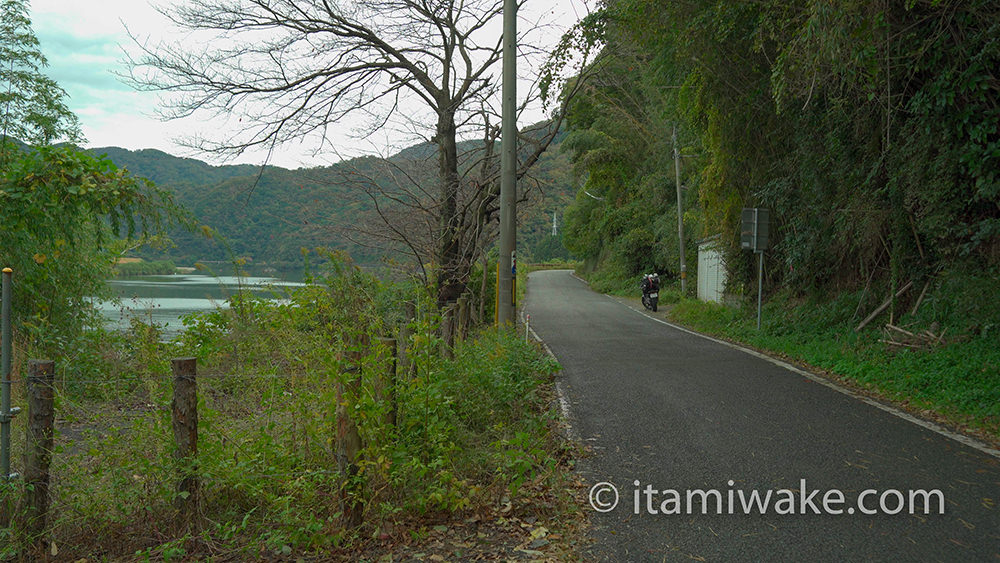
(677, 412)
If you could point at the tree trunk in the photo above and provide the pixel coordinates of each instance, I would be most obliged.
(450, 281)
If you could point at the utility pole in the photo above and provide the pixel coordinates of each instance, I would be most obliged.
(507, 263)
(680, 213)
(555, 225)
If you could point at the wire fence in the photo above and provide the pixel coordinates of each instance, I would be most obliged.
(85, 427)
(125, 446)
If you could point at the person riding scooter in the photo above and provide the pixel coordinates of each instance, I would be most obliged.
(650, 286)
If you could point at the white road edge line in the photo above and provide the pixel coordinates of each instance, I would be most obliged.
(971, 442)
(560, 393)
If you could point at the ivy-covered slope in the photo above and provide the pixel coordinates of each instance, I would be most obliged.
(870, 130)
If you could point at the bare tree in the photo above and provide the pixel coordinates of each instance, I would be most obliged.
(402, 208)
(402, 211)
(292, 69)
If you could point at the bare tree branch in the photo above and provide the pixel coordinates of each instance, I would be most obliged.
(298, 69)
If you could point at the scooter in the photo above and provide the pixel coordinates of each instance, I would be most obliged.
(650, 291)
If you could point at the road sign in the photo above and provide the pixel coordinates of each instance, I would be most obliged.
(755, 229)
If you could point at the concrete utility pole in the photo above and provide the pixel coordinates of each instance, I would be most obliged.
(555, 225)
(507, 266)
(680, 213)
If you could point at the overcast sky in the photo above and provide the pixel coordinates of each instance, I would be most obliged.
(83, 41)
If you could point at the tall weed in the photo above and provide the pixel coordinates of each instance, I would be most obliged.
(467, 430)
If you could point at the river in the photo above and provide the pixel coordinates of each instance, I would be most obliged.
(163, 300)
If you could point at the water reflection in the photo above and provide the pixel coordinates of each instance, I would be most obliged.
(163, 300)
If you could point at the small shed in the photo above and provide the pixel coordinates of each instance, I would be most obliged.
(711, 270)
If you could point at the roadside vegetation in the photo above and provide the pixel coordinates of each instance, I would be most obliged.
(876, 173)
(953, 379)
(469, 436)
(313, 438)
(870, 133)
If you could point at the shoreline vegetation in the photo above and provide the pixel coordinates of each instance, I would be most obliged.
(952, 379)
(458, 450)
(131, 267)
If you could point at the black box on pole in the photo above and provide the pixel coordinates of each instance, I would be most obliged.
(755, 229)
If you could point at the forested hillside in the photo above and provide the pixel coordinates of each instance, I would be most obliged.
(269, 216)
(870, 130)
(166, 169)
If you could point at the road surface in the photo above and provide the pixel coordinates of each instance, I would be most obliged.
(677, 412)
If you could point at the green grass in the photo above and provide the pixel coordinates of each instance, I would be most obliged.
(469, 431)
(554, 264)
(610, 279)
(959, 381)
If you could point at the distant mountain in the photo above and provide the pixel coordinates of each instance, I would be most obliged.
(17, 144)
(166, 169)
(269, 217)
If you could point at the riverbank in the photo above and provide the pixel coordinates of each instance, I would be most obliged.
(136, 267)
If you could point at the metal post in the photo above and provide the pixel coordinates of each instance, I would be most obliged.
(680, 213)
(508, 168)
(6, 413)
(760, 283)
(5, 352)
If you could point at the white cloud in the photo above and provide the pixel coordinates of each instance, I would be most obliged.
(97, 18)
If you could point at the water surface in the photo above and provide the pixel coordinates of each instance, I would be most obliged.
(163, 300)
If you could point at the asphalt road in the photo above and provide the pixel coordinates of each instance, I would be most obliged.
(675, 411)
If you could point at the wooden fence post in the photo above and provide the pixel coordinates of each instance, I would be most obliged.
(470, 305)
(407, 367)
(463, 313)
(348, 445)
(41, 415)
(448, 330)
(184, 410)
(386, 389)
